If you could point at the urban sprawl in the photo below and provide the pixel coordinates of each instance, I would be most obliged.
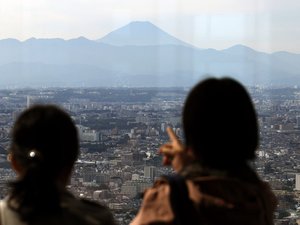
(121, 130)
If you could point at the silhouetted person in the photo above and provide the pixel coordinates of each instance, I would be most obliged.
(221, 136)
(43, 151)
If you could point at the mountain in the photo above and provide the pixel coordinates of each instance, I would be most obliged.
(140, 33)
(163, 61)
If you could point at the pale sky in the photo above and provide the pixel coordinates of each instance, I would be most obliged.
(266, 25)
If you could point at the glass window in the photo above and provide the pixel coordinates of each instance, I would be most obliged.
(122, 69)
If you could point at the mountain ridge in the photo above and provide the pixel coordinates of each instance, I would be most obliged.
(100, 64)
(141, 33)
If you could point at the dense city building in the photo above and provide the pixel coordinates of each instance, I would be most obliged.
(121, 130)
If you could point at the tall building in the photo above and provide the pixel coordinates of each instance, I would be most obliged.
(163, 127)
(33, 100)
(149, 172)
(87, 134)
(134, 187)
(28, 101)
(298, 122)
(297, 185)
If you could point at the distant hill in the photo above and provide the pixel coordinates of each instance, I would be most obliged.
(140, 33)
(154, 58)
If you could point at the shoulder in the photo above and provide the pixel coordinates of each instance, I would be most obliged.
(209, 194)
(155, 205)
(8, 215)
(88, 211)
(1, 209)
(233, 189)
(100, 211)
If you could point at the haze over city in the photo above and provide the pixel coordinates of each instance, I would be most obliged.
(139, 54)
(269, 25)
(122, 70)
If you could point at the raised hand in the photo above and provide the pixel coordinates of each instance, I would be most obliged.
(174, 152)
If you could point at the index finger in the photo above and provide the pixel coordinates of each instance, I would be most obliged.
(171, 134)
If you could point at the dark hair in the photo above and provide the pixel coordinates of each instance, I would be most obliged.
(44, 143)
(220, 123)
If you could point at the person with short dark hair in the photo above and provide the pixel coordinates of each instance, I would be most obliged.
(221, 137)
(43, 151)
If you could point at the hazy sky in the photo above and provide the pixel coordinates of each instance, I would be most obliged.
(267, 25)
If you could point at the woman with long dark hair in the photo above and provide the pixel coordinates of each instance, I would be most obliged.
(43, 151)
(215, 183)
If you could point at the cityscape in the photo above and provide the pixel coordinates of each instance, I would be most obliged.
(121, 130)
(122, 71)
